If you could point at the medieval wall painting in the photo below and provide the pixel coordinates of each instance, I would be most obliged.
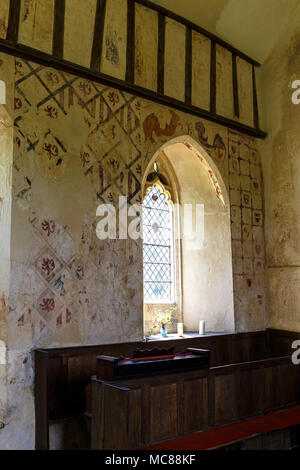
(77, 144)
(146, 43)
(80, 16)
(113, 60)
(224, 84)
(244, 76)
(4, 10)
(36, 24)
(200, 70)
(245, 182)
(174, 68)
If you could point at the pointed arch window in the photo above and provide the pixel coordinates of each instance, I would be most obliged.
(158, 245)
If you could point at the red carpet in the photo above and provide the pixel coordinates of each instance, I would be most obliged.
(212, 438)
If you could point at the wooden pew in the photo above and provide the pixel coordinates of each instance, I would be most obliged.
(62, 374)
(127, 414)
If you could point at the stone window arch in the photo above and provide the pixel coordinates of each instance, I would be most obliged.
(204, 279)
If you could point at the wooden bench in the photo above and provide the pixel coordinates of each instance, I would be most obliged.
(238, 433)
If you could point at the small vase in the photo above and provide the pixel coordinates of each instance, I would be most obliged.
(163, 330)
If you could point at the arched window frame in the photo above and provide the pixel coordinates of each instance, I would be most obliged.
(166, 191)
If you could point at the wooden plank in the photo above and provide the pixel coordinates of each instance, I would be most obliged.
(41, 402)
(195, 27)
(188, 66)
(130, 41)
(13, 21)
(211, 399)
(248, 393)
(116, 411)
(201, 342)
(235, 87)
(213, 78)
(163, 411)
(255, 105)
(195, 405)
(145, 413)
(225, 398)
(98, 35)
(59, 28)
(97, 424)
(161, 54)
(280, 342)
(180, 406)
(135, 423)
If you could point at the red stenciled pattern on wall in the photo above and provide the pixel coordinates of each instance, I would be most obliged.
(130, 131)
(245, 182)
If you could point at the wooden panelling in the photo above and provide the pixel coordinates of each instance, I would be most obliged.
(291, 380)
(62, 374)
(78, 372)
(240, 391)
(175, 49)
(115, 425)
(225, 398)
(280, 342)
(247, 386)
(278, 386)
(258, 347)
(42, 402)
(146, 47)
(196, 416)
(58, 381)
(163, 411)
(135, 418)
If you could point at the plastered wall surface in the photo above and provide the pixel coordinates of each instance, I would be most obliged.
(281, 165)
(77, 144)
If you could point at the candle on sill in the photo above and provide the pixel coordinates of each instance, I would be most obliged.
(180, 329)
(201, 327)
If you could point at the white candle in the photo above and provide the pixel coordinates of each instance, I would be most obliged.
(201, 327)
(180, 329)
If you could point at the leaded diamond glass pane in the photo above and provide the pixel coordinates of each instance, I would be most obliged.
(157, 233)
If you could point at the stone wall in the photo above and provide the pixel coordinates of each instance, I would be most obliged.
(281, 165)
(77, 144)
